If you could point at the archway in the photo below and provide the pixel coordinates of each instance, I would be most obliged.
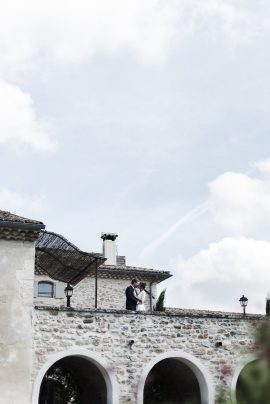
(175, 378)
(252, 384)
(75, 377)
(73, 380)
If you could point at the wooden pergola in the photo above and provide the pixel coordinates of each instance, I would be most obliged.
(65, 262)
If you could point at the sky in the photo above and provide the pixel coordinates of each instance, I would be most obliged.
(150, 120)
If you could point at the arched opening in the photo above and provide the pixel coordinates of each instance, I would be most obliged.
(75, 380)
(252, 385)
(171, 381)
(86, 374)
(175, 377)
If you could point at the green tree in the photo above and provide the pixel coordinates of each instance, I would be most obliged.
(161, 301)
(254, 380)
(267, 307)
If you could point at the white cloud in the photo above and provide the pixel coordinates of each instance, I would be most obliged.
(236, 21)
(241, 204)
(67, 32)
(19, 121)
(215, 278)
(18, 203)
(238, 214)
(263, 166)
(238, 205)
(43, 35)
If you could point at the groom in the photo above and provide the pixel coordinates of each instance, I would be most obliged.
(131, 300)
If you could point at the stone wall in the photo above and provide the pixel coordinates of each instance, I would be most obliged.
(216, 341)
(16, 300)
(111, 294)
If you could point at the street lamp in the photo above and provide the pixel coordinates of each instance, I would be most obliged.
(68, 292)
(243, 302)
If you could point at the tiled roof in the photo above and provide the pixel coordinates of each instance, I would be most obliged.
(125, 272)
(131, 271)
(14, 227)
(132, 268)
(10, 217)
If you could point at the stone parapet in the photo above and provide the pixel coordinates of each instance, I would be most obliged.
(166, 313)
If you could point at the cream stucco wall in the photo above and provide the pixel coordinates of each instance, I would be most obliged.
(16, 299)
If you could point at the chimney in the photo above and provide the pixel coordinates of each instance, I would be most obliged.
(121, 260)
(109, 247)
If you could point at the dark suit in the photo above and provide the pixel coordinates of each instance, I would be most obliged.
(131, 301)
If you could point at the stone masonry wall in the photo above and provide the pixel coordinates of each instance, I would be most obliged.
(111, 294)
(108, 333)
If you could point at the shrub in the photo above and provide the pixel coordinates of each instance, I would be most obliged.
(161, 301)
(267, 307)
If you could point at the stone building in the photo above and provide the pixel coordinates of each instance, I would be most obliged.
(95, 351)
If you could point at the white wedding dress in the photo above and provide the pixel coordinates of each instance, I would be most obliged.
(141, 306)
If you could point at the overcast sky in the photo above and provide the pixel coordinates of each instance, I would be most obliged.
(149, 119)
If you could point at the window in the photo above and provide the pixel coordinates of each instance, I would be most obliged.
(45, 289)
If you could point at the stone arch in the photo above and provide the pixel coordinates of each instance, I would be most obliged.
(105, 368)
(199, 371)
(240, 366)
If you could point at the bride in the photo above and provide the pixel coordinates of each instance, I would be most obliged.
(141, 296)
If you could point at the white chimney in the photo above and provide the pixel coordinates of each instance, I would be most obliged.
(109, 247)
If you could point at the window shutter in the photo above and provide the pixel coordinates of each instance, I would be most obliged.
(59, 290)
(35, 288)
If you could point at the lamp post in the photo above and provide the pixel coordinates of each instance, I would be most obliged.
(68, 292)
(243, 302)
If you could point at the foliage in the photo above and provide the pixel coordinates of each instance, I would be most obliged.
(254, 380)
(59, 387)
(267, 308)
(253, 383)
(223, 397)
(161, 301)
